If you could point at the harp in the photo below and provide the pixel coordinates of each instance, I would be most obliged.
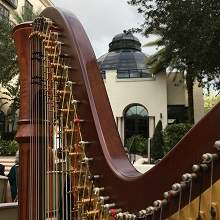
(72, 162)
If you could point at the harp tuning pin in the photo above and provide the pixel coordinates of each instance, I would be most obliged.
(186, 177)
(157, 203)
(176, 187)
(70, 83)
(86, 159)
(143, 212)
(166, 195)
(84, 143)
(150, 210)
(119, 216)
(207, 158)
(204, 166)
(129, 216)
(195, 168)
(164, 202)
(104, 198)
(174, 192)
(94, 177)
(109, 206)
(114, 212)
(77, 120)
(97, 190)
(67, 67)
(74, 101)
(217, 145)
(183, 184)
(194, 175)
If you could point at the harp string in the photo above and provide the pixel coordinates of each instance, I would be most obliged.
(190, 198)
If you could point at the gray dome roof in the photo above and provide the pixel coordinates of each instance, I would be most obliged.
(125, 56)
(125, 40)
(122, 59)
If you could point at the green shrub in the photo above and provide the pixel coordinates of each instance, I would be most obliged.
(137, 144)
(8, 148)
(173, 134)
(157, 143)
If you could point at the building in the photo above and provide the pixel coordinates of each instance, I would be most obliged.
(8, 9)
(138, 98)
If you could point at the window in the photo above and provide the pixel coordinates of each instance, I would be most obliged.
(28, 5)
(177, 113)
(13, 3)
(136, 121)
(133, 73)
(27, 10)
(4, 12)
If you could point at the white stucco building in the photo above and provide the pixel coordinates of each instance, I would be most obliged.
(138, 98)
(8, 7)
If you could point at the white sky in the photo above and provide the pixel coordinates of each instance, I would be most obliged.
(103, 19)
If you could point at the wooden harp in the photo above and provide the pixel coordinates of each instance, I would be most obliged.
(72, 162)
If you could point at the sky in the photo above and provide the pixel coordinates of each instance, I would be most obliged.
(103, 19)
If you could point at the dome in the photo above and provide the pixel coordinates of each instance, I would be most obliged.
(125, 40)
(126, 57)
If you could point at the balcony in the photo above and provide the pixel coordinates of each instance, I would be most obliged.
(12, 3)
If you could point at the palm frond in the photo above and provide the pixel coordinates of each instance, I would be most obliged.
(156, 42)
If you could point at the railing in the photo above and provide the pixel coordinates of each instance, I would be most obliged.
(130, 74)
(133, 73)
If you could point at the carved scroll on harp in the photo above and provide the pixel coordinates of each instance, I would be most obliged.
(70, 150)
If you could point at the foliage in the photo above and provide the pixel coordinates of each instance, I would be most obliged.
(11, 97)
(137, 144)
(210, 102)
(27, 14)
(8, 148)
(157, 144)
(173, 134)
(189, 32)
(8, 62)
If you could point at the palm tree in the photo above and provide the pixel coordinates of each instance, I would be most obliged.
(164, 59)
(10, 97)
(27, 14)
(9, 71)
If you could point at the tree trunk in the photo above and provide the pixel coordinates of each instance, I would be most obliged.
(189, 85)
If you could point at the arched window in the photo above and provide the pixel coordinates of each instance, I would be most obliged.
(136, 121)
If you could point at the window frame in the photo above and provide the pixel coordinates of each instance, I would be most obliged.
(2, 16)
